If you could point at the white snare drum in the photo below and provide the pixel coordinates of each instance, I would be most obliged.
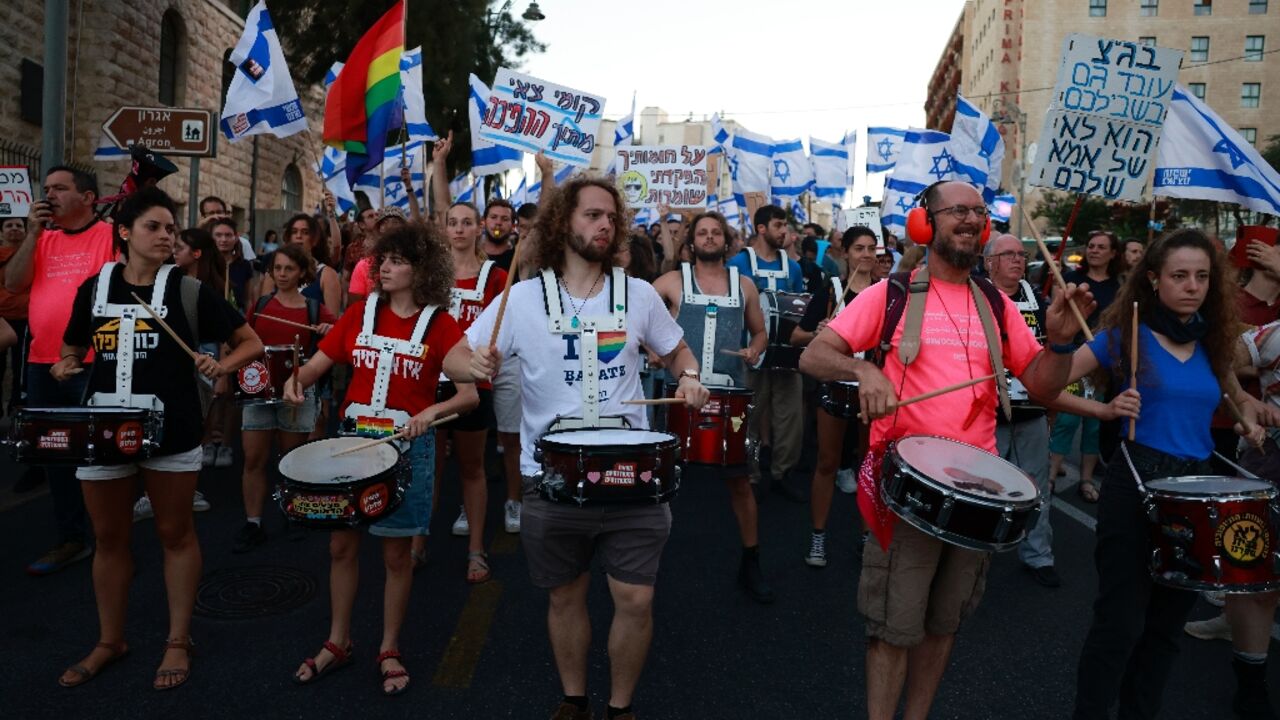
(608, 465)
(323, 491)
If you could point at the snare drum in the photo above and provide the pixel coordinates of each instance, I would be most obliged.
(1018, 396)
(840, 399)
(261, 382)
(959, 493)
(322, 491)
(84, 435)
(782, 313)
(608, 466)
(716, 434)
(1213, 533)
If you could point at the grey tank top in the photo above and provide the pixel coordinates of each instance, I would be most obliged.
(730, 327)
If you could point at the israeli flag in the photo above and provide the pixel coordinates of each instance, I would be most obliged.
(792, 173)
(461, 188)
(830, 163)
(750, 163)
(561, 175)
(978, 146)
(332, 74)
(719, 136)
(415, 106)
(521, 194)
(333, 170)
(261, 98)
(487, 158)
(1002, 208)
(385, 182)
(883, 145)
(623, 134)
(1203, 158)
(644, 217)
(107, 150)
(797, 211)
(925, 157)
(728, 207)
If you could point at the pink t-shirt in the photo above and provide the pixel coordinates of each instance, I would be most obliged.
(360, 278)
(950, 324)
(62, 262)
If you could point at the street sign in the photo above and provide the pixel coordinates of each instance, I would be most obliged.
(172, 131)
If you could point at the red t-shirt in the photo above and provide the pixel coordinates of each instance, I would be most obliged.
(62, 261)
(274, 333)
(413, 379)
(470, 309)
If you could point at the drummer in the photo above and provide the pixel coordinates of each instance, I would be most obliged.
(943, 321)
(404, 322)
(580, 228)
(287, 425)
(859, 248)
(1185, 363)
(728, 304)
(1023, 439)
(139, 365)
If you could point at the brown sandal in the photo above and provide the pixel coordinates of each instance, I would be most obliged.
(1087, 491)
(341, 658)
(392, 674)
(83, 674)
(178, 675)
(478, 568)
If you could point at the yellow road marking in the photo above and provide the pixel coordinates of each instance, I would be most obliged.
(458, 665)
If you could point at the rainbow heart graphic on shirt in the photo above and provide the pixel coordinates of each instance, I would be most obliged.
(609, 344)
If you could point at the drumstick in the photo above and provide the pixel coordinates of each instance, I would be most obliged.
(398, 436)
(282, 321)
(506, 292)
(1133, 369)
(155, 316)
(1234, 409)
(294, 408)
(1057, 275)
(656, 401)
(735, 353)
(942, 391)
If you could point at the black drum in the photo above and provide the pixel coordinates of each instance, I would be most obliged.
(84, 435)
(959, 493)
(840, 399)
(782, 313)
(603, 466)
(323, 491)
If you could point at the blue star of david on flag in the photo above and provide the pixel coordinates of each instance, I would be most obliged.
(781, 170)
(885, 148)
(905, 204)
(943, 165)
(733, 167)
(1232, 152)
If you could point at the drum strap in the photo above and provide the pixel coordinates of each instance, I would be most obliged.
(588, 330)
(837, 292)
(1124, 448)
(771, 277)
(128, 315)
(387, 348)
(712, 303)
(460, 296)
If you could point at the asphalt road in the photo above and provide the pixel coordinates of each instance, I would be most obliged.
(482, 652)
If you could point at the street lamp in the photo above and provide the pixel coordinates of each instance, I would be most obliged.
(1008, 113)
(533, 13)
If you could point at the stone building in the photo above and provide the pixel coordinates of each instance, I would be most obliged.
(1009, 50)
(152, 53)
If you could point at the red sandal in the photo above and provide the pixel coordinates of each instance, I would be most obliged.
(83, 674)
(341, 658)
(391, 674)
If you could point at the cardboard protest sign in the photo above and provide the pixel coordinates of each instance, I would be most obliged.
(1103, 126)
(15, 192)
(534, 115)
(868, 217)
(653, 175)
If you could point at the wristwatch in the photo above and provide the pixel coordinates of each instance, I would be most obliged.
(690, 374)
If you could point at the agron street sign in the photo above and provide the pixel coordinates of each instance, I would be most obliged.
(171, 131)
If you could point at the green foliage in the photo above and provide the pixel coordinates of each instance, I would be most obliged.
(1271, 153)
(458, 37)
(1057, 206)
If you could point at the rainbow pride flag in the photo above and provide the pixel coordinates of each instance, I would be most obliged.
(609, 344)
(361, 106)
(368, 426)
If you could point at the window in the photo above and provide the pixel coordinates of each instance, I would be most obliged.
(1149, 8)
(1250, 95)
(1097, 8)
(170, 42)
(1250, 135)
(1203, 7)
(291, 188)
(1200, 49)
(1257, 7)
(1253, 48)
(1197, 89)
(1148, 40)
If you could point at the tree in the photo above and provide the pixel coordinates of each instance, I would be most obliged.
(1271, 153)
(1056, 207)
(458, 37)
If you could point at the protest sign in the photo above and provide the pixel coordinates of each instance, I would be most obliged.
(15, 192)
(868, 217)
(534, 115)
(671, 175)
(1103, 126)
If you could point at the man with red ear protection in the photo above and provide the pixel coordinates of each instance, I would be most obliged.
(942, 583)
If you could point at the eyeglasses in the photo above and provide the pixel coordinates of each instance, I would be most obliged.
(960, 212)
(1011, 254)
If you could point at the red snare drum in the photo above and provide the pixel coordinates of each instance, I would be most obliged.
(608, 466)
(1214, 533)
(717, 434)
(84, 435)
(261, 382)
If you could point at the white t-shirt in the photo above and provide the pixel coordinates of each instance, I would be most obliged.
(551, 366)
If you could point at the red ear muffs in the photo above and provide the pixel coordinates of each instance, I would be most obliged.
(986, 233)
(919, 227)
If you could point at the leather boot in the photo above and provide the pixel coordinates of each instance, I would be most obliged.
(752, 578)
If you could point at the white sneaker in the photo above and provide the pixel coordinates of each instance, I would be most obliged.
(198, 503)
(461, 526)
(1216, 628)
(224, 456)
(210, 454)
(817, 556)
(511, 515)
(142, 509)
(847, 481)
(1216, 599)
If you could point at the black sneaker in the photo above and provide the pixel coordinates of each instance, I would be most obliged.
(751, 577)
(248, 537)
(1045, 575)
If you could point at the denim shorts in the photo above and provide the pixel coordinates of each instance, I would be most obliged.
(413, 517)
(282, 416)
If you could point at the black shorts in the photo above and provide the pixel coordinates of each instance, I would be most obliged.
(479, 419)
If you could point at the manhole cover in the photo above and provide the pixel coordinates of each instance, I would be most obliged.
(249, 592)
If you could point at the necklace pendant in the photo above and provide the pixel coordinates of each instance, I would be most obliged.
(574, 322)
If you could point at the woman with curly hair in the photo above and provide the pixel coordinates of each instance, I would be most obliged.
(1186, 353)
(411, 290)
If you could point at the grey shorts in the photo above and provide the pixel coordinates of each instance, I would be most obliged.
(189, 461)
(921, 586)
(506, 396)
(282, 416)
(560, 540)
